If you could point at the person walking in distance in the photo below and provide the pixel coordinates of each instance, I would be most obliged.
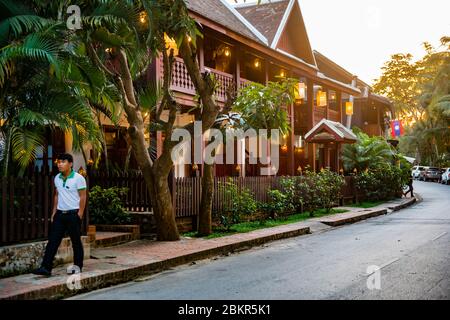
(69, 202)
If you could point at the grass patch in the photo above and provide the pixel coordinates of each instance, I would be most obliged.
(245, 227)
(367, 204)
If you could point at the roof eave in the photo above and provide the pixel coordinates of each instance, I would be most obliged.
(241, 18)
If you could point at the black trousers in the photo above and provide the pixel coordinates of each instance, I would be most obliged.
(68, 222)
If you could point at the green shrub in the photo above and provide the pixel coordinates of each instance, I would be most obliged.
(279, 204)
(242, 204)
(105, 206)
(328, 187)
(290, 187)
(383, 182)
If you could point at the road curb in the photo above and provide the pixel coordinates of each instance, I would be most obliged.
(418, 197)
(352, 218)
(90, 283)
(407, 203)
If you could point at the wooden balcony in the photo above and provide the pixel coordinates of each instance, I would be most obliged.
(181, 81)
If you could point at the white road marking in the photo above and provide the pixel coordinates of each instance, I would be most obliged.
(384, 265)
(439, 236)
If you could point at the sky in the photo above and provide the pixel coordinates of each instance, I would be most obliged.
(361, 35)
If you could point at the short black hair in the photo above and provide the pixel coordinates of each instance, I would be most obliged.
(65, 156)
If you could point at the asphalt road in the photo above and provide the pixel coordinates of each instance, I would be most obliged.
(411, 247)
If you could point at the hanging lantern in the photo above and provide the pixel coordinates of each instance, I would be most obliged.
(349, 108)
(284, 141)
(142, 17)
(257, 63)
(299, 143)
(321, 98)
(300, 91)
(227, 52)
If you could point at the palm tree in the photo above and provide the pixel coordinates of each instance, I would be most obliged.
(45, 81)
(366, 153)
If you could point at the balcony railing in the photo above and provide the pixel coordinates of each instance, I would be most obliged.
(181, 81)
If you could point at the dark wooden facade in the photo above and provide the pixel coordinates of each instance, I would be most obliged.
(235, 58)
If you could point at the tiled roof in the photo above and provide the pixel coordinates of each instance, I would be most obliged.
(266, 17)
(216, 11)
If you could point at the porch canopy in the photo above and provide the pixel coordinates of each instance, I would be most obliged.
(327, 131)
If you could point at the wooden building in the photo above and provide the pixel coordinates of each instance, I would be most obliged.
(260, 43)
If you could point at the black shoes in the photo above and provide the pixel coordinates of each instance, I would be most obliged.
(42, 272)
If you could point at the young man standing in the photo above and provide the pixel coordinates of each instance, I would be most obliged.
(68, 206)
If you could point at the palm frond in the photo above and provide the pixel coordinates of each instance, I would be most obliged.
(35, 47)
(24, 143)
(21, 24)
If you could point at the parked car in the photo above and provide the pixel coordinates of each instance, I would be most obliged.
(415, 171)
(430, 173)
(445, 177)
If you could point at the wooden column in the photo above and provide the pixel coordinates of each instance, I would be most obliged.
(291, 142)
(237, 72)
(339, 105)
(338, 151)
(310, 121)
(327, 156)
(327, 107)
(266, 71)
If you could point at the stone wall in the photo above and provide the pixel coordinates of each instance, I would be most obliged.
(22, 258)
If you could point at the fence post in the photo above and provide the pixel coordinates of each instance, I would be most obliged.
(173, 190)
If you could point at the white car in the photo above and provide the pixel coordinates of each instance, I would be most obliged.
(415, 171)
(445, 178)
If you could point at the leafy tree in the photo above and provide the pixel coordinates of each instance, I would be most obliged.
(265, 107)
(45, 82)
(367, 152)
(421, 95)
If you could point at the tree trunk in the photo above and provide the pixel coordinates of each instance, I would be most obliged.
(205, 213)
(157, 184)
(210, 110)
(105, 147)
(155, 173)
(166, 227)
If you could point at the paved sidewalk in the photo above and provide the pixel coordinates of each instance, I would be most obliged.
(114, 265)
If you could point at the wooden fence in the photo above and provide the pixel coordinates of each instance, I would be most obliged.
(26, 203)
(137, 198)
(188, 192)
(25, 208)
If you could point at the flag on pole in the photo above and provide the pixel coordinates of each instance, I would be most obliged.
(396, 128)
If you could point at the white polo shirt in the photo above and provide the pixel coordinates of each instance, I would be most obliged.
(68, 197)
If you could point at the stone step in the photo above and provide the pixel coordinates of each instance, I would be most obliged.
(108, 239)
